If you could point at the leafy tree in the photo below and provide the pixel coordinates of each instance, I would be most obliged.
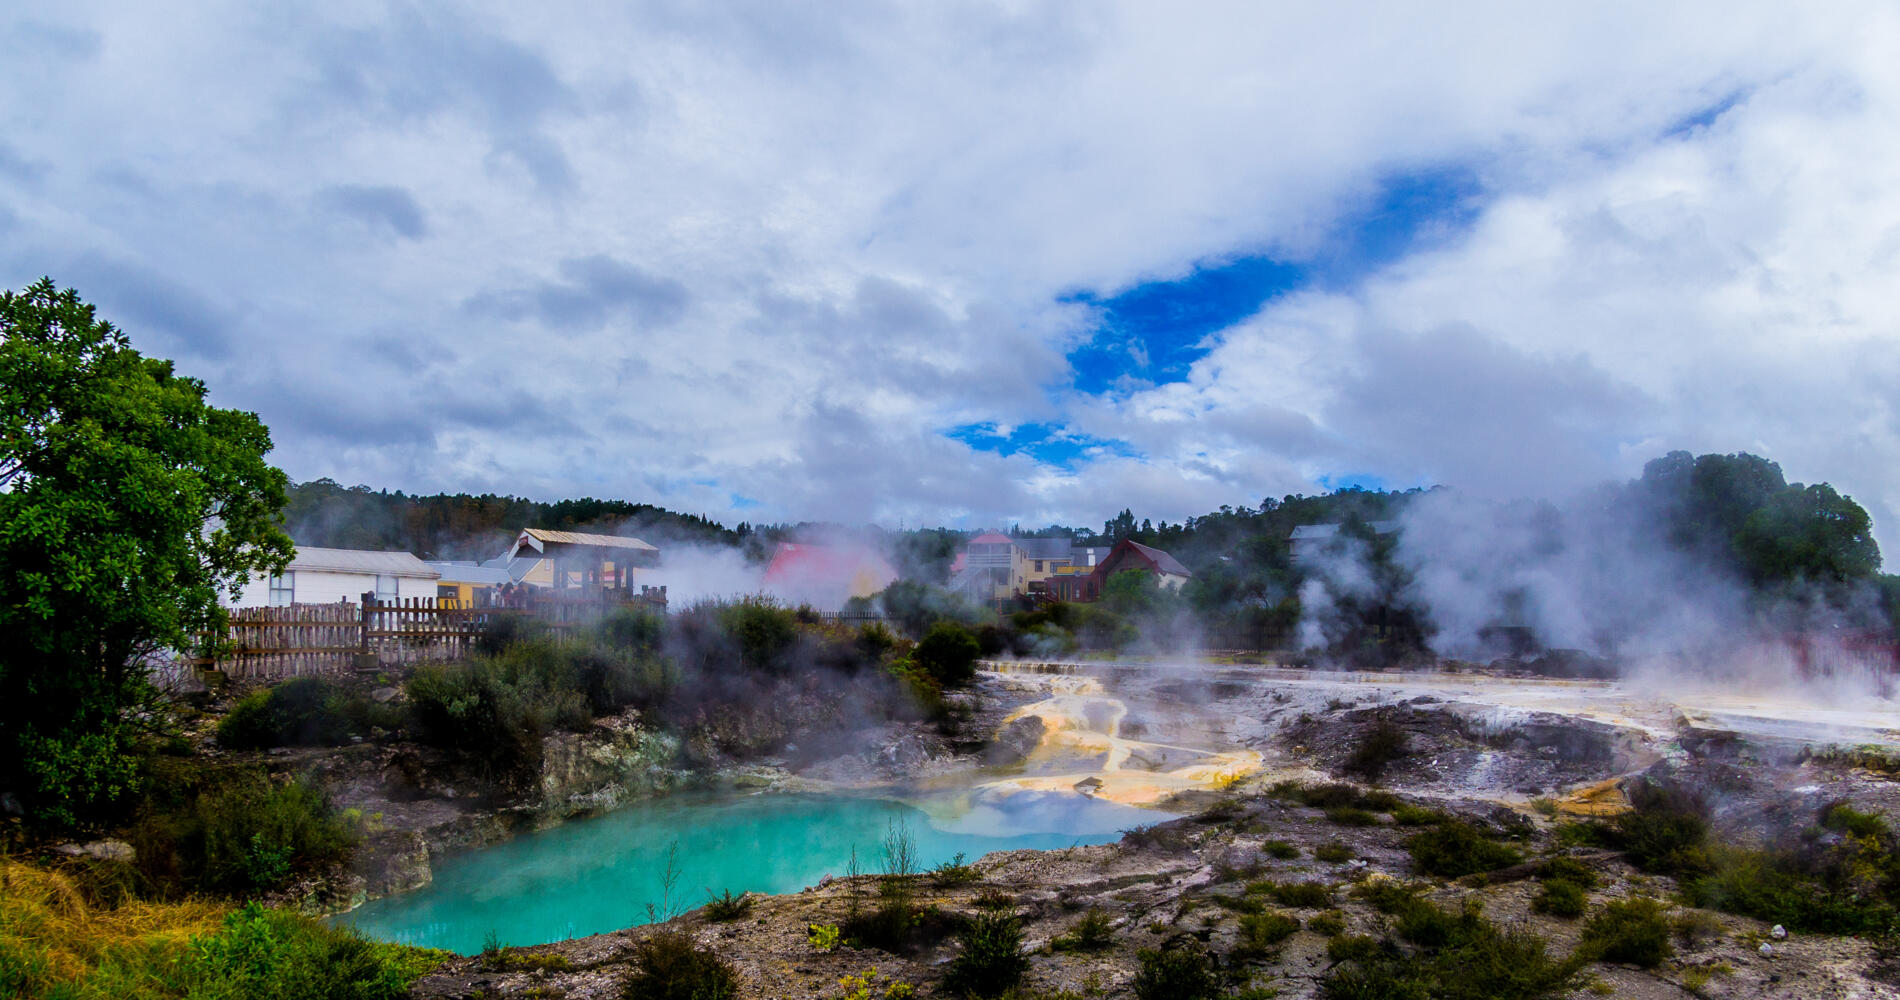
(126, 505)
(1808, 533)
(948, 654)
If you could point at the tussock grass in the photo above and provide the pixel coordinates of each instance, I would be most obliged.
(56, 942)
(50, 934)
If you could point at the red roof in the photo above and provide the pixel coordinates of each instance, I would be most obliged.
(992, 538)
(824, 575)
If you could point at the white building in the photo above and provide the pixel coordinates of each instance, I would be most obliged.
(327, 576)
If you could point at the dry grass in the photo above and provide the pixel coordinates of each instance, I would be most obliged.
(51, 934)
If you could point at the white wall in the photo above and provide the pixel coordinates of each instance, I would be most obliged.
(312, 586)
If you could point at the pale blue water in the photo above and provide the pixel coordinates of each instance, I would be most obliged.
(599, 874)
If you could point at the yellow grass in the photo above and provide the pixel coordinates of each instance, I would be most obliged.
(49, 935)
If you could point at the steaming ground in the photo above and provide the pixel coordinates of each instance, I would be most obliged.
(1149, 732)
(1105, 742)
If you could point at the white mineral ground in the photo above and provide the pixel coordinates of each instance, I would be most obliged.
(1145, 741)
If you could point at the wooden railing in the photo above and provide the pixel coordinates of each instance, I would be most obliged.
(316, 639)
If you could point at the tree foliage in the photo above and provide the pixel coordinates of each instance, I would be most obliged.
(127, 503)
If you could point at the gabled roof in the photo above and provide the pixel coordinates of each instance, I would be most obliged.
(517, 567)
(992, 538)
(538, 537)
(1162, 561)
(360, 561)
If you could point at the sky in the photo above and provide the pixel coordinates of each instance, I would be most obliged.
(984, 263)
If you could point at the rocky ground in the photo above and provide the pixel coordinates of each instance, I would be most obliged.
(1516, 760)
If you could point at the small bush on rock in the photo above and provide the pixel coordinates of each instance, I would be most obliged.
(670, 965)
(991, 961)
(1457, 848)
(1634, 931)
(1184, 972)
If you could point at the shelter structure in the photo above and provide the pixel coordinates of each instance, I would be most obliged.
(578, 561)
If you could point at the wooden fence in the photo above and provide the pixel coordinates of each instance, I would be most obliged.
(316, 639)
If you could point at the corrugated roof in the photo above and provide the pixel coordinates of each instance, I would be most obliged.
(578, 538)
(360, 561)
(463, 572)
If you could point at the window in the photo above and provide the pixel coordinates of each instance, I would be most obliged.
(283, 589)
(386, 592)
(1038, 565)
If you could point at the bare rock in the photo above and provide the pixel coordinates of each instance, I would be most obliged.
(1014, 741)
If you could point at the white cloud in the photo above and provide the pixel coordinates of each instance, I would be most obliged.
(817, 236)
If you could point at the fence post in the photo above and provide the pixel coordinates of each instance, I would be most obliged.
(365, 659)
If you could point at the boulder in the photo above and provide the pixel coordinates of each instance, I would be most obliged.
(1014, 741)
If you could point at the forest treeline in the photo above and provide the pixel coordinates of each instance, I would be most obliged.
(1734, 516)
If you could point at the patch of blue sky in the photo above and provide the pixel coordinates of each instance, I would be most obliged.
(1152, 333)
(1050, 444)
(1704, 117)
(743, 502)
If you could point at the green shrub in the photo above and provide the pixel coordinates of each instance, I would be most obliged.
(1457, 955)
(1842, 817)
(1332, 852)
(1280, 849)
(1411, 815)
(874, 642)
(1634, 931)
(1351, 816)
(1185, 972)
(1353, 948)
(953, 872)
(1560, 898)
(306, 711)
(1457, 848)
(887, 926)
(727, 907)
(1261, 933)
(991, 960)
(495, 709)
(1566, 869)
(1382, 744)
(1332, 923)
(948, 653)
(763, 632)
(239, 832)
(1379, 800)
(992, 898)
(1847, 883)
(670, 965)
(1299, 895)
(633, 628)
(1666, 830)
(1386, 895)
(1094, 932)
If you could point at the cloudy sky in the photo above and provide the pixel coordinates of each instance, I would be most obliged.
(970, 263)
